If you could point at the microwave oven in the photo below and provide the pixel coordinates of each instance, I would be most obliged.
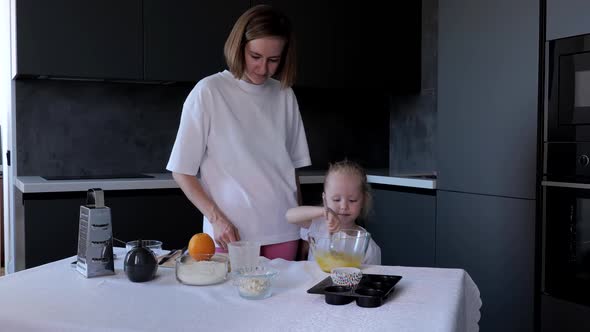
(568, 90)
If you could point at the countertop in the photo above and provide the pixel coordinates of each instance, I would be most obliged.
(37, 184)
(378, 176)
(55, 297)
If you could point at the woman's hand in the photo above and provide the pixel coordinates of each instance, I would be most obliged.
(224, 232)
(332, 220)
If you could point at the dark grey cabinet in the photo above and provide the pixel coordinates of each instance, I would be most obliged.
(184, 39)
(344, 46)
(152, 40)
(558, 315)
(51, 220)
(311, 194)
(493, 239)
(70, 38)
(567, 18)
(403, 225)
(487, 96)
(487, 115)
(316, 40)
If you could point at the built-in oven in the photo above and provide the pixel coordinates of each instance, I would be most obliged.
(566, 221)
(568, 94)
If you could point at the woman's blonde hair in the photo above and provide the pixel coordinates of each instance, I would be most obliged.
(350, 167)
(259, 22)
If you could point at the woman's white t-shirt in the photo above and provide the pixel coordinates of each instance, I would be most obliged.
(319, 226)
(245, 141)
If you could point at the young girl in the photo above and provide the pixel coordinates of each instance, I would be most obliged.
(347, 200)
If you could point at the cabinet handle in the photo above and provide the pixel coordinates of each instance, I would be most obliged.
(566, 184)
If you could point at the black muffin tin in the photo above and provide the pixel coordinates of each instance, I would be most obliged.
(371, 292)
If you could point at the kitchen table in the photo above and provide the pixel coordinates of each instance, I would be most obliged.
(55, 297)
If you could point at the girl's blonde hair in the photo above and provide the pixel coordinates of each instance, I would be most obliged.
(259, 22)
(350, 167)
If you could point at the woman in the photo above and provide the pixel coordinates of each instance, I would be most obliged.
(242, 131)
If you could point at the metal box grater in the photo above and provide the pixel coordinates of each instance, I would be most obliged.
(95, 237)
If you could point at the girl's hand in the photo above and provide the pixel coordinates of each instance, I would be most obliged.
(225, 232)
(332, 220)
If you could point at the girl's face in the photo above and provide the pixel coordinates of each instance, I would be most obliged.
(263, 56)
(343, 194)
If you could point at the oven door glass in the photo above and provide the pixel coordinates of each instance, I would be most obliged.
(567, 243)
(574, 89)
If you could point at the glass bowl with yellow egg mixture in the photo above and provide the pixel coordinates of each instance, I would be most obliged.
(345, 248)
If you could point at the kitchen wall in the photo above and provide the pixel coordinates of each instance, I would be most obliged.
(92, 128)
(413, 118)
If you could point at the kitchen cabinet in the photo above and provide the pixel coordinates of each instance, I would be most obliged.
(150, 40)
(558, 315)
(493, 239)
(487, 117)
(487, 97)
(316, 40)
(403, 225)
(342, 46)
(567, 18)
(184, 41)
(51, 220)
(311, 194)
(79, 39)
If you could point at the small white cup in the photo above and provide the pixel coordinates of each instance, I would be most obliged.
(243, 254)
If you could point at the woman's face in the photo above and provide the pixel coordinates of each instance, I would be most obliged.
(343, 194)
(263, 56)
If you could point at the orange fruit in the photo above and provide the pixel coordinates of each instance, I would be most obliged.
(201, 247)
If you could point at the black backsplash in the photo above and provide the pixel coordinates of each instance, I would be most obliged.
(95, 128)
(345, 123)
(86, 128)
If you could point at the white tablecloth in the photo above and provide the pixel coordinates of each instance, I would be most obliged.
(55, 297)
